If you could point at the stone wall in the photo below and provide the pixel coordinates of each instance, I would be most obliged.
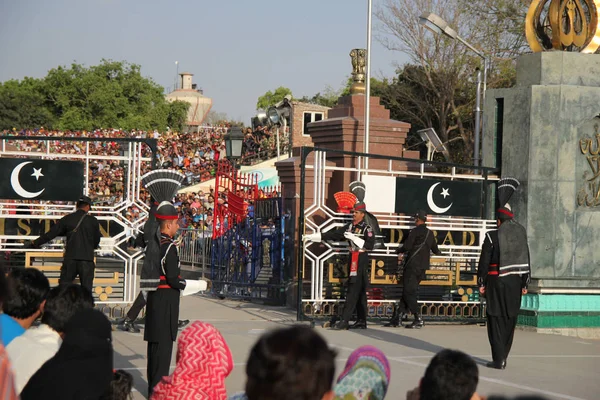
(554, 105)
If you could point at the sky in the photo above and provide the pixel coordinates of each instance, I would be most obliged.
(236, 49)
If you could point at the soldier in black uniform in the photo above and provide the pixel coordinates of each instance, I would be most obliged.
(417, 250)
(503, 277)
(162, 309)
(361, 238)
(149, 233)
(146, 240)
(83, 237)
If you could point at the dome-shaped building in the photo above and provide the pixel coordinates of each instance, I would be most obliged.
(199, 104)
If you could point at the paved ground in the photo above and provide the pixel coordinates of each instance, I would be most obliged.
(554, 366)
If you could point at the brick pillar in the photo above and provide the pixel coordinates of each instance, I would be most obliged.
(344, 129)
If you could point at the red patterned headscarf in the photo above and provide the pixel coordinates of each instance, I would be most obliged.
(203, 363)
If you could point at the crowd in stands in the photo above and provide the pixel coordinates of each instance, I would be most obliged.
(195, 153)
(69, 356)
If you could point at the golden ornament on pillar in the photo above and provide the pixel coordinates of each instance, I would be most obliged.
(565, 25)
(359, 63)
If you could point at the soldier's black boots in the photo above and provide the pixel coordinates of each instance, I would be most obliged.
(417, 323)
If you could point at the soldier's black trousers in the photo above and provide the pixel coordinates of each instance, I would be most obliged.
(501, 331)
(71, 268)
(159, 361)
(356, 298)
(136, 307)
(411, 278)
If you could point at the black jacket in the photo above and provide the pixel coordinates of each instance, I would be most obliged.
(419, 245)
(363, 231)
(82, 369)
(150, 239)
(502, 293)
(490, 256)
(80, 245)
(162, 309)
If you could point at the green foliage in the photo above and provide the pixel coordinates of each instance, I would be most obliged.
(271, 98)
(112, 94)
(177, 115)
(22, 105)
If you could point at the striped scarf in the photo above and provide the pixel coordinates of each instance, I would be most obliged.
(203, 363)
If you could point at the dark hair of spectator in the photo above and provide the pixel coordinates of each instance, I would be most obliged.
(121, 386)
(451, 375)
(63, 302)
(26, 289)
(292, 363)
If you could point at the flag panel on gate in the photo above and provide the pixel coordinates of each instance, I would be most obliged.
(438, 197)
(36, 179)
(380, 193)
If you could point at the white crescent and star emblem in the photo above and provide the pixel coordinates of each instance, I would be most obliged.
(37, 173)
(434, 207)
(16, 183)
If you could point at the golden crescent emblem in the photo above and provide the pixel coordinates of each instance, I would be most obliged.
(567, 25)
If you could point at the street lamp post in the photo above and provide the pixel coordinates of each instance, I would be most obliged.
(233, 148)
(438, 26)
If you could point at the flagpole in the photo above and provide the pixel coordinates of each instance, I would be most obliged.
(368, 84)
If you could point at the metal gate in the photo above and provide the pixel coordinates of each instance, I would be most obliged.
(121, 214)
(248, 241)
(450, 288)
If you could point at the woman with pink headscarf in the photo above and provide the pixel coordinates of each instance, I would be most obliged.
(203, 363)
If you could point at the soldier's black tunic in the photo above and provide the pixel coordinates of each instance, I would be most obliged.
(418, 247)
(162, 313)
(150, 240)
(358, 281)
(503, 297)
(79, 247)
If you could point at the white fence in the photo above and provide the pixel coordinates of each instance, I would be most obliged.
(116, 266)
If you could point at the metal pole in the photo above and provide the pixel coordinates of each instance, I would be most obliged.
(477, 119)
(278, 149)
(368, 84)
(486, 65)
(301, 228)
(234, 175)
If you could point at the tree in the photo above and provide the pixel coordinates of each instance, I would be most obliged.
(328, 98)
(22, 106)
(271, 98)
(177, 116)
(437, 90)
(112, 94)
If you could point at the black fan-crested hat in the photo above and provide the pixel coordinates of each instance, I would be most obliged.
(359, 190)
(166, 211)
(162, 184)
(506, 188)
